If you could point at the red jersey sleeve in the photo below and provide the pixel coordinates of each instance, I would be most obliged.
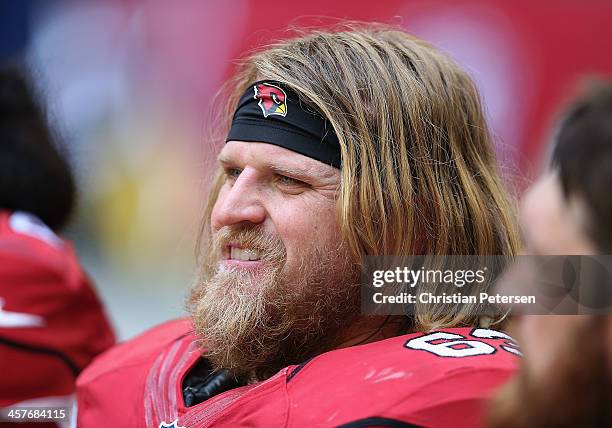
(112, 388)
(51, 322)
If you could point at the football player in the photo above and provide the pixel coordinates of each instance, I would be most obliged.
(339, 144)
(51, 322)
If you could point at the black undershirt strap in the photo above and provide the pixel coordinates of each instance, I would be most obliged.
(202, 383)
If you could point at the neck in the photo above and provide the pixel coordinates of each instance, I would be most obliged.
(368, 329)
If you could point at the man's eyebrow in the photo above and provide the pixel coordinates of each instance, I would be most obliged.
(292, 171)
(224, 159)
(298, 172)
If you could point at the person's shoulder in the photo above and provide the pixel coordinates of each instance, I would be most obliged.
(29, 248)
(451, 371)
(28, 228)
(137, 353)
(119, 375)
(445, 349)
(54, 307)
(449, 349)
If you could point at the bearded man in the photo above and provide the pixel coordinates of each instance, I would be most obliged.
(339, 144)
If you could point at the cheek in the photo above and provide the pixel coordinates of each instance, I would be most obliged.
(543, 339)
(543, 223)
(536, 352)
(303, 226)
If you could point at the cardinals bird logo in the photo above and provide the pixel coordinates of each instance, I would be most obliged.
(272, 99)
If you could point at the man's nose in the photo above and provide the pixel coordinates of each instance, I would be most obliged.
(240, 203)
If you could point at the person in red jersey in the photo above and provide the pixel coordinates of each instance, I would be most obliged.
(339, 144)
(51, 322)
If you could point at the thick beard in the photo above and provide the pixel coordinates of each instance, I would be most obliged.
(254, 324)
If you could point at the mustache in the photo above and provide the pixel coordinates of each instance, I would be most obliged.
(269, 245)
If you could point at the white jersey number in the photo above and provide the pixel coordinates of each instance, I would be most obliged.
(454, 345)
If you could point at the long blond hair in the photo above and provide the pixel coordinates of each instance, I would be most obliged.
(419, 174)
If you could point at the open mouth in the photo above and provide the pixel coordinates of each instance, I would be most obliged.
(243, 254)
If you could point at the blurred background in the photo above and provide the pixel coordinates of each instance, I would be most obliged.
(129, 84)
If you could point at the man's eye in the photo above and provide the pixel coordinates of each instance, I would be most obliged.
(288, 181)
(232, 173)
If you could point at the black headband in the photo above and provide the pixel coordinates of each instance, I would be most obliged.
(270, 112)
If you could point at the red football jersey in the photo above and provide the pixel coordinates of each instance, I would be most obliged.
(51, 322)
(436, 379)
